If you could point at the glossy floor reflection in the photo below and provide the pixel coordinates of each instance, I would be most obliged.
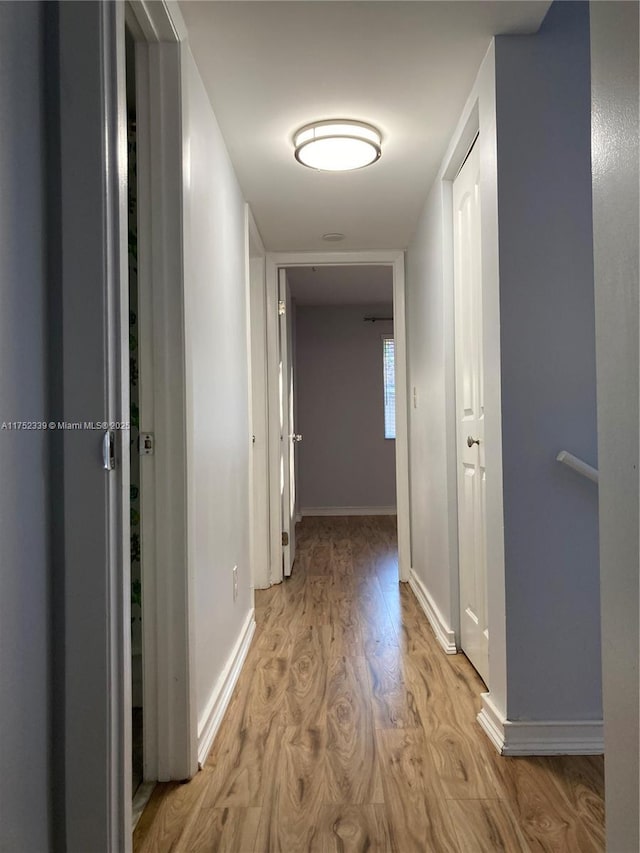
(351, 730)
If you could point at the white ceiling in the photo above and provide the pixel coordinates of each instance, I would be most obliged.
(406, 67)
(351, 285)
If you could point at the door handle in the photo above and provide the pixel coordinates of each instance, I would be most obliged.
(296, 437)
(472, 441)
(109, 450)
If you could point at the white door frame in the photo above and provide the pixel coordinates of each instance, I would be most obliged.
(286, 422)
(462, 140)
(258, 402)
(170, 725)
(90, 513)
(479, 114)
(395, 259)
(471, 522)
(91, 525)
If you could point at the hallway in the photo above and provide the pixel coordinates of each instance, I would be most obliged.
(350, 730)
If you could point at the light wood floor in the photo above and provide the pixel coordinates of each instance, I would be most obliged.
(350, 730)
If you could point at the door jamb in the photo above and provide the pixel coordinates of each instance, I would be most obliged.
(258, 387)
(95, 729)
(463, 141)
(395, 259)
(170, 725)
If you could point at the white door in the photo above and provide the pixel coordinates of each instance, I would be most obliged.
(288, 437)
(474, 633)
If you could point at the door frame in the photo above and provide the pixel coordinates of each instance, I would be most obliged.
(478, 115)
(461, 142)
(90, 506)
(92, 718)
(393, 258)
(258, 402)
(286, 422)
(476, 656)
(169, 707)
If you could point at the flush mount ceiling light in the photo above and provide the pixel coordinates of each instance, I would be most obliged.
(337, 145)
(333, 237)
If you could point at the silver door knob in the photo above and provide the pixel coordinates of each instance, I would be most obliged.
(472, 441)
(296, 437)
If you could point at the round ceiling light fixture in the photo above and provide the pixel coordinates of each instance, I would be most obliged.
(337, 145)
(333, 237)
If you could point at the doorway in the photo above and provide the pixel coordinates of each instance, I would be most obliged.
(137, 712)
(337, 396)
(160, 593)
(292, 489)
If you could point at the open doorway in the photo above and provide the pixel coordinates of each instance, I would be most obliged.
(363, 268)
(344, 391)
(344, 407)
(138, 790)
(337, 395)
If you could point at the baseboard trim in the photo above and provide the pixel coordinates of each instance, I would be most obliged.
(491, 722)
(348, 510)
(210, 720)
(540, 737)
(446, 637)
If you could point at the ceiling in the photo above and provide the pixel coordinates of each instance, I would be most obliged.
(406, 67)
(346, 285)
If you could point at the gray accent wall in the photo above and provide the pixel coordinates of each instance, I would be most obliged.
(24, 559)
(546, 378)
(548, 373)
(344, 459)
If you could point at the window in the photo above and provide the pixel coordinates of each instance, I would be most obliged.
(389, 374)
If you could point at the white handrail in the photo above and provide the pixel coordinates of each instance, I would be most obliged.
(578, 465)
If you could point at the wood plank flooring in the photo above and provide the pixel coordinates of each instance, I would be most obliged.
(351, 731)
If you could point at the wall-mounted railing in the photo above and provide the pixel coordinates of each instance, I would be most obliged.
(578, 465)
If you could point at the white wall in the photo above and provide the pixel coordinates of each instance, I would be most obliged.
(24, 625)
(547, 332)
(615, 131)
(217, 391)
(344, 459)
(433, 549)
(540, 373)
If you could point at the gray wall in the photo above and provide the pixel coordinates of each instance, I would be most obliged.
(24, 646)
(546, 374)
(548, 368)
(344, 459)
(614, 71)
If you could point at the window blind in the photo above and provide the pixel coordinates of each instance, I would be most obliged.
(389, 375)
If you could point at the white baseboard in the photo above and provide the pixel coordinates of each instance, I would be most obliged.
(209, 722)
(492, 722)
(446, 637)
(540, 737)
(348, 510)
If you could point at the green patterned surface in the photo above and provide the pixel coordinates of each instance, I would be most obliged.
(136, 585)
